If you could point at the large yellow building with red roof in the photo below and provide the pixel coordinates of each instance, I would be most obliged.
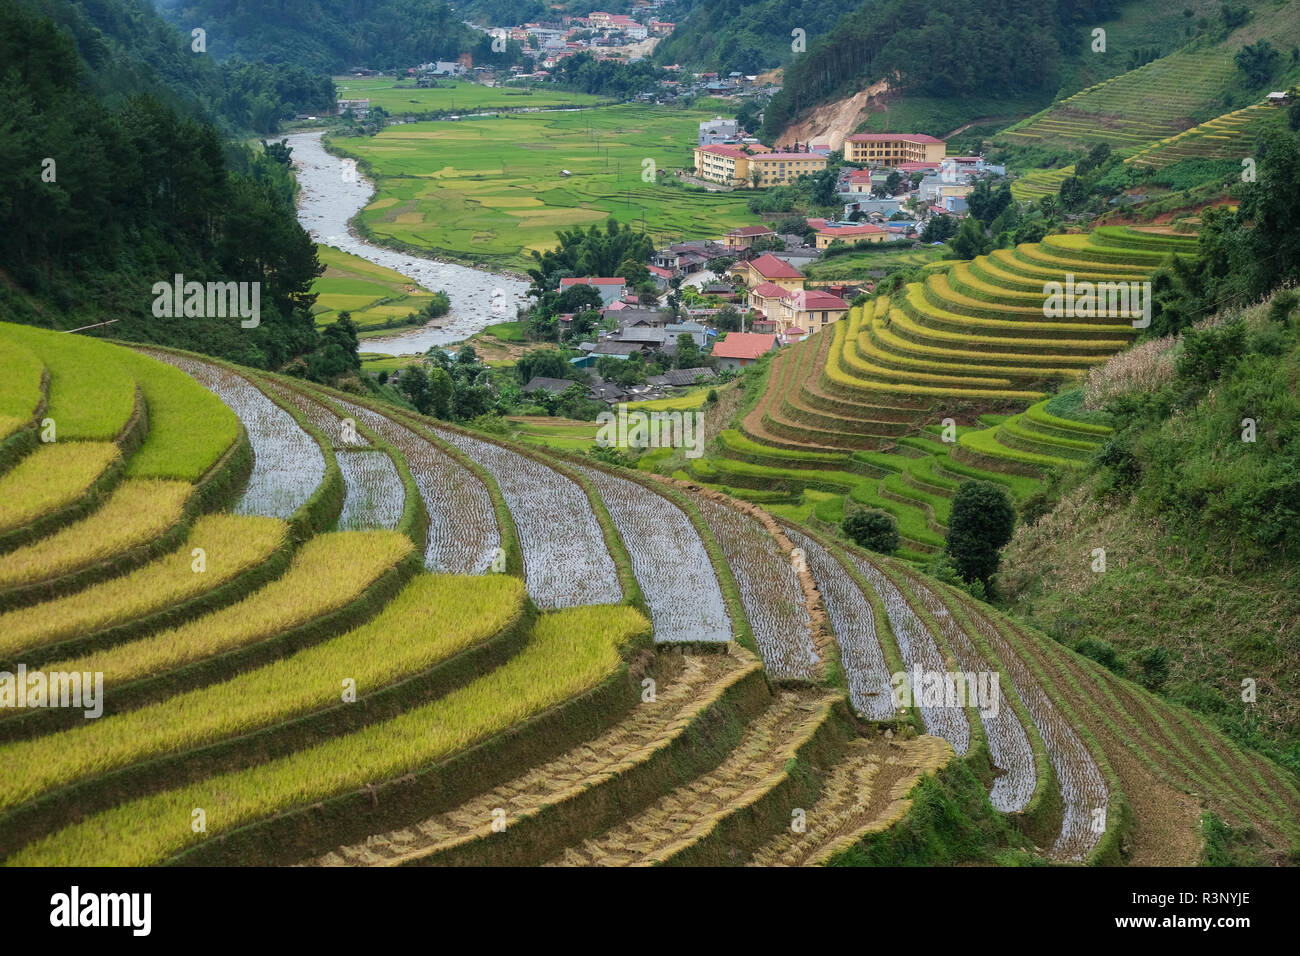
(733, 166)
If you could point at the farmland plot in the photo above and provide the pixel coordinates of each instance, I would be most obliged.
(565, 561)
(375, 495)
(769, 590)
(668, 559)
(1083, 790)
(287, 463)
(918, 649)
(330, 424)
(1008, 742)
(855, 631)
(463, 533)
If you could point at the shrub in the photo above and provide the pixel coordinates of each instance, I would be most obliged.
(872, 529)
(1101, 652)
(982, 520)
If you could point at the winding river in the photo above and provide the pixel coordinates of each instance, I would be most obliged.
(332, 192)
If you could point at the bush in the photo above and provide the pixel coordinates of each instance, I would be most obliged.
(983, 517)
(872, 529)
(1101, 652)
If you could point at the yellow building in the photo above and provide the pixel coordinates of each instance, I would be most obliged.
(767, 268)
(888, 149)
(732, 166)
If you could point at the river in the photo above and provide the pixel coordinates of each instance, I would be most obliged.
(332, 192)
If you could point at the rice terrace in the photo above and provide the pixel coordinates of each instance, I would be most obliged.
(627, 440)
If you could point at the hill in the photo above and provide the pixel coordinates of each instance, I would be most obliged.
(1170, 94)
(330, 36)
(335, 528)
(1196, 596)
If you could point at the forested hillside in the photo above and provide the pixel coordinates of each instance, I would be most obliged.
(747, 35)
(113, 181)
(329, 36)
(943, 49)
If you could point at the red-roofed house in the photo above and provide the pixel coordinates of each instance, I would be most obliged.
(610, 289)
(739, 349)
(768, 268)
(889, 149)
(809, 310)
(744, 237)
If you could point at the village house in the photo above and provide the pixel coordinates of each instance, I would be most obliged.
(610, 289)
(718, 130)
(848, 233)
(681, 377)
(553, 386)
(877, 149)
(743, 237)
(740, 349)
(768, 268)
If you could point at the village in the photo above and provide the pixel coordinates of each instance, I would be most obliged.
(744, 294)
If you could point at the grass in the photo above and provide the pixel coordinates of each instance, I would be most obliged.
(396, 644)
(174, 447)
(489, 190)
(569, 652)
(507, 331)
(233, 544)
(92, 396)
(327, 574)
(52, 477)
(377, 297)
(20, 386)
(400, 97)
(138, 511)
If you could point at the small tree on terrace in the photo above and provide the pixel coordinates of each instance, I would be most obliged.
(872, 529)
(982, 520)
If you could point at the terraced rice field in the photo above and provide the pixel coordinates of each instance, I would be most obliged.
(1037, 183)
(853, 620)
(566, 563)
(895, 406)
(1231, 136)
(375, 495)
(287, 463)
(463, 535)
(233, 682)
(769, 588)
(1133, 109)
(669, 560)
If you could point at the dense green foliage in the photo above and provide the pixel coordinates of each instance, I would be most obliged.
(102, 199)
(1243, 254)
(1216, 453)
(983, 517)
(330, 36)
(946, 49)
(126, 50)
(872, 529)
(749, 35)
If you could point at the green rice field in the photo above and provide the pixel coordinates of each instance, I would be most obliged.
(491, 189)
